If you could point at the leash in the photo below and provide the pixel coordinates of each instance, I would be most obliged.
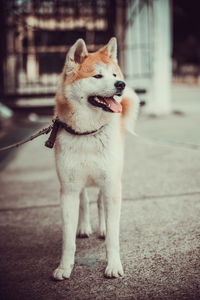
(53, 128)
(43, 131)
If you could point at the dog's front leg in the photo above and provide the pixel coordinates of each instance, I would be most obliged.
(70, 209)
(113, 207)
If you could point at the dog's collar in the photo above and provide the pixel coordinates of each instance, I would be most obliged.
(74, 132)
(59, 124)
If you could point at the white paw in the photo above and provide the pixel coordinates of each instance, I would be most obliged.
(114, 270)
(62, 273)
(102, 233)
(84, 230)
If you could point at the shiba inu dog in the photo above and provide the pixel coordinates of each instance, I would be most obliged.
(94, 101)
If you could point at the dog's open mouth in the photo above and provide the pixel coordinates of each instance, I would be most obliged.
(107, 103)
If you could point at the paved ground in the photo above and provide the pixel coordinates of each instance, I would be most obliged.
(160, 223)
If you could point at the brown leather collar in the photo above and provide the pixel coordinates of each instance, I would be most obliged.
(59, 124)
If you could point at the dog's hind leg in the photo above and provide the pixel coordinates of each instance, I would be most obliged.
(84, 228)
(101, 214)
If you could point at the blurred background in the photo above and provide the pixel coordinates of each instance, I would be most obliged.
(158, 51)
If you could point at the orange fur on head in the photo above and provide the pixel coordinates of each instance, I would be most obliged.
(84, 70)
(87, 67)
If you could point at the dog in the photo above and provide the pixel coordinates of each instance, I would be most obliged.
(94, 101)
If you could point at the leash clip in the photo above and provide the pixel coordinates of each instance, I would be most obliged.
(54, 129)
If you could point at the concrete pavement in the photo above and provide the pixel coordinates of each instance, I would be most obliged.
(160, 222)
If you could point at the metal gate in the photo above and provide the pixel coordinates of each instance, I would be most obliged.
(38, 34)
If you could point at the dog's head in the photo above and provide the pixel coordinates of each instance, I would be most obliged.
(93, 79)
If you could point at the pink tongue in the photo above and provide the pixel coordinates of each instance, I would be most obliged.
(114, 105)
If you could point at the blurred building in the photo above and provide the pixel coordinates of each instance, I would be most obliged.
(186, 42)
(36, 35)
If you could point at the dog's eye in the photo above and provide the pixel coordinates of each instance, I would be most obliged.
(98, 76)
(114, 75)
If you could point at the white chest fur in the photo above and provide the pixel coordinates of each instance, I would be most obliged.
(92, 159)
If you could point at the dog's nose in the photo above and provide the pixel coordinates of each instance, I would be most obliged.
(120, 85)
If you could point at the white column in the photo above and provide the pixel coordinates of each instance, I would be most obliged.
(162, 66)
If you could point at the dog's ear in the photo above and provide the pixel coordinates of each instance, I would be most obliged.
(76, 55)
(111, 49)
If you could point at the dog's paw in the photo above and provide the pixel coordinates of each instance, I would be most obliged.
(114, 270)
(62, 273)
(102, 234)
(84, 231)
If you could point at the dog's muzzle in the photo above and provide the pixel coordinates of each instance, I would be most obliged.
(106, 103)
